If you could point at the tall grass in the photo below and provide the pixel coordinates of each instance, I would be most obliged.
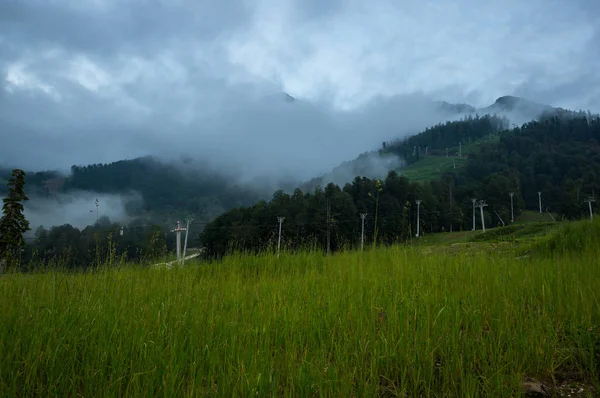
(386, 322)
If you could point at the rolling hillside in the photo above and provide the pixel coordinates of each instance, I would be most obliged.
(557, 155)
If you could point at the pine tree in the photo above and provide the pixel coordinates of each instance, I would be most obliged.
(13, 223)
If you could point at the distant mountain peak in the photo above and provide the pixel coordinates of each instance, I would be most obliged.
(455, 108)
(508, 100)
(510, 103)
(288, 98)
(280, 96)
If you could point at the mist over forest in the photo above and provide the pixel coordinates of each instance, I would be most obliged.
(160, 119)
(312, 166)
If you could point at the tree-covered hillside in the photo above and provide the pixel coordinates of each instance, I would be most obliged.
(443, 137)
(165, 188)
(557, 155)
(168, 191)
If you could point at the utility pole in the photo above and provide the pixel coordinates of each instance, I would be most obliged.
(187, 229)
(512, 213)
(481, 205)
(446, 152)
(460, 149)
(97, 209)
(418, 202)
(280, 220)
(177, 231)
(540, 200)
(426, 150)
(362, 231)
(589, 201)
(328, 227)
(450, 210)
(474, 200)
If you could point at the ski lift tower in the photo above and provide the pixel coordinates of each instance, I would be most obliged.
(178, 230)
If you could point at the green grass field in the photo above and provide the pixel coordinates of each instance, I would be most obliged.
(431, 167)
(529, 226)
(399, 321)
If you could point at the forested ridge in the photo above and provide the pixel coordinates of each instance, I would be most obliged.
(166, 189)
(167, 193)
(437, 139)
(558, 155)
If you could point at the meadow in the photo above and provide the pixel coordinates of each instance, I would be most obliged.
(431, 167)
(395, 321)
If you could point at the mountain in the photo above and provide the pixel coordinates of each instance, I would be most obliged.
(166, 191)
(169, 188)
(280, 96)
(510, 103)
(371, 164)
(558, 155)
(455, 108)
(150, 176)
(518, 110)
(521, 109)
(503, 112)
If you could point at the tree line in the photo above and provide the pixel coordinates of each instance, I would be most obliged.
(556, 155)
(437, 139)
(67, 247)
(167, 191)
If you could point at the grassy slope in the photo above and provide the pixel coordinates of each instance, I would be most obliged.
(386, 322)
(431, 167)
(529, 225)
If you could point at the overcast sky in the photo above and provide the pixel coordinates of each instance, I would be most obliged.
(87, 81)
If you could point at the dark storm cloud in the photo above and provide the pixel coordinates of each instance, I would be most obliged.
(97, 81)
(109, 27)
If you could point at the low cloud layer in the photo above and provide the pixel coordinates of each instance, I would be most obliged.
(98, 81)
(76, 208)
(370, 165)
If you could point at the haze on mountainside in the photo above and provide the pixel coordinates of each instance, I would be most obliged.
(274, 91)
(99, 81)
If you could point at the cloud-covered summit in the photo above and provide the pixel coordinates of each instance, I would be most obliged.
(97, 81)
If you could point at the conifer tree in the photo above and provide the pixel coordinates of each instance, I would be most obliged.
(13, 223)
